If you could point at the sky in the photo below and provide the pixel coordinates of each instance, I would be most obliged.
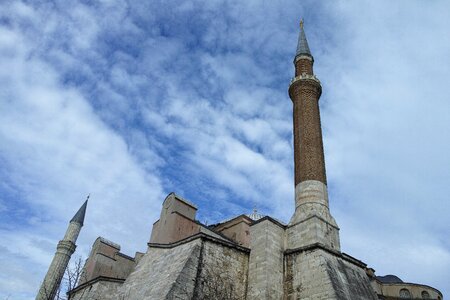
(131, 100)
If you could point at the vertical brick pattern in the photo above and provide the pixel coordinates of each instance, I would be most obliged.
(303, 66)
(308, 146)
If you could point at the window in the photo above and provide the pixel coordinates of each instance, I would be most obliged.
(425, 295)
(405, 294)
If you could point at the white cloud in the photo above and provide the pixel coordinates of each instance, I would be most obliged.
(125, 100)
(57, 150)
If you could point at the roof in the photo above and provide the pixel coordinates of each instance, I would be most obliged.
(302, 45)
(79, 216)
(181, 199)
(255, 216)
(389, 279)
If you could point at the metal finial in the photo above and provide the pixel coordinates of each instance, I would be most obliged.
(301, 23)
(89, 195)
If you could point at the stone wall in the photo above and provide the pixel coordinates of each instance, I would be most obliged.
(106, 260)
(190, 269)
(163, 272)
(176, 222)
(100, 289)
(316, 273)
(266, 260)
(391, 291)
(312, 222)
(236, 229)
(313, 229)
(222, 272)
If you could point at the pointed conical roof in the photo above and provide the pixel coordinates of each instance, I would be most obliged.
(79, 216)
(302, 46)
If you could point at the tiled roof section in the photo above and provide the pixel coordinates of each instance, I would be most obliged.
(302, 46)
(79, 216)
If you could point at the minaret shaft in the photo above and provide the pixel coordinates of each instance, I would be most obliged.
(308, 146)
(305, 91)
(55, 272)
(64, 250)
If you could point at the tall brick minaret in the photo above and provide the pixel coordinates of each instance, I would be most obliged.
(312, 219)
(64, 250)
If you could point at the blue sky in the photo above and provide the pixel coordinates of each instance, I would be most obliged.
(130, 100)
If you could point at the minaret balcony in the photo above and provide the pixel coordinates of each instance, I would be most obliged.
(305, 80)
(303, 77)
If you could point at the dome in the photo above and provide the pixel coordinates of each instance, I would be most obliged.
(255, 216)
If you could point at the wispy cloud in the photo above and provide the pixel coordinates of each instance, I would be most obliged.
(131, 100)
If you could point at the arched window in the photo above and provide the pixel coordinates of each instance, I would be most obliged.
(405, 294)
(425, 295)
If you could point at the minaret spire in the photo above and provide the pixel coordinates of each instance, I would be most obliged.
(79, 216)
(302, 45)
(64, 251)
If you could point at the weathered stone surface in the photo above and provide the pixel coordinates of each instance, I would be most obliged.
(222, 272)
(106, 260)
(99, 290)
(196, 269)
(266, 261)
(317, 274)
(312, 222)
(164, 273)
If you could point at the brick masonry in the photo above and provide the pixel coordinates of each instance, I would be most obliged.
(308, 146)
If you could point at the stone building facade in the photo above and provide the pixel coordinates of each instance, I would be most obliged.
(250, 256)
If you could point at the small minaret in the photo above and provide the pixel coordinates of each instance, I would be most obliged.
(311, 196)
(64, 250)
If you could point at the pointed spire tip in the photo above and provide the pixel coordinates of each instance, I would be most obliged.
(302, 45)
(79, 216)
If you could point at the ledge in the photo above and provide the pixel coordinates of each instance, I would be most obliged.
(202, 236)
(92, 281)
(276, 222)
(305, 76)
(303, 56)
(313, 216)
(320, 246)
